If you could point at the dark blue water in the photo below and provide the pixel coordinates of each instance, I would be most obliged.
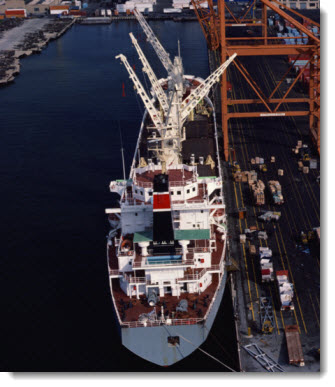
(59, 149)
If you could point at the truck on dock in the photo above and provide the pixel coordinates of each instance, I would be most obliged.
(265, 257)
(285, 289)
(270, 215)
(294, 348)
(276, 191)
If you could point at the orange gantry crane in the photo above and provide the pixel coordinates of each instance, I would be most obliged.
(214, 23)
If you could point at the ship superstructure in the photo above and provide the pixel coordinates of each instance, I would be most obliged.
(166, 249)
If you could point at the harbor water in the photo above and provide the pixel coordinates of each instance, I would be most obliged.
(59, 149)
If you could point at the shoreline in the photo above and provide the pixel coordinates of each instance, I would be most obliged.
(35, 43)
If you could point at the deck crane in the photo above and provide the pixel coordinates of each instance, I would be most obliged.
(169, 139)
(160, 51)
(154, 114)
(156, 86)
(170, 127)
(202, 90)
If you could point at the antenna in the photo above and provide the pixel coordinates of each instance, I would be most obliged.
(179, 48)
(122, 154)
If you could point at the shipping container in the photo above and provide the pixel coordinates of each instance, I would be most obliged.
(19, 12)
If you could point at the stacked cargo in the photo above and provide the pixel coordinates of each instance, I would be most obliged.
(276, 192)
(245, 176)
(258, 192)
(285, 288)
(265, 256)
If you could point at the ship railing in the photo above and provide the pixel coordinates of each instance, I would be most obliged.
(143, 184)
(159, 263)
(115, 274)
(221, 266)
(189, 203)
(198, 250)
(182, 182)
(129, 253)
(178, 251)
(135, 280)
(198, 276)
(134, 202)
(193, 277)
(147, 184)
(215, 268)
(155, 323)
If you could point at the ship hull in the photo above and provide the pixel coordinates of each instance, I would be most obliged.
(151, 343)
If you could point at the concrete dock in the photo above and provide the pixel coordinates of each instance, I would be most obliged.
(13, 37)
(266, 137)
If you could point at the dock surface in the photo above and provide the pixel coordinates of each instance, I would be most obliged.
(16, 35)
(266, 137)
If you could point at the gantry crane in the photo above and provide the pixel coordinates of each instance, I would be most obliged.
(214, 23)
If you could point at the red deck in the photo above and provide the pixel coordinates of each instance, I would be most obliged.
(141, 306)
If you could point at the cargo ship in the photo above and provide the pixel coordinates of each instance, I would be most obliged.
(166, 249)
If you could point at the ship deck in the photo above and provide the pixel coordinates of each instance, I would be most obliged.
(130, 308)
(141, 306)
(300, 212)
(200, 143)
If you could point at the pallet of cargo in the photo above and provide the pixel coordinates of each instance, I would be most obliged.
(285, 289)
(294, 347)
(276, 191)
(258, 192)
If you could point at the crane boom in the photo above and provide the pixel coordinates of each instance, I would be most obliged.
(202, 90)
(158, 90)
(160, 51)
(154, 114)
